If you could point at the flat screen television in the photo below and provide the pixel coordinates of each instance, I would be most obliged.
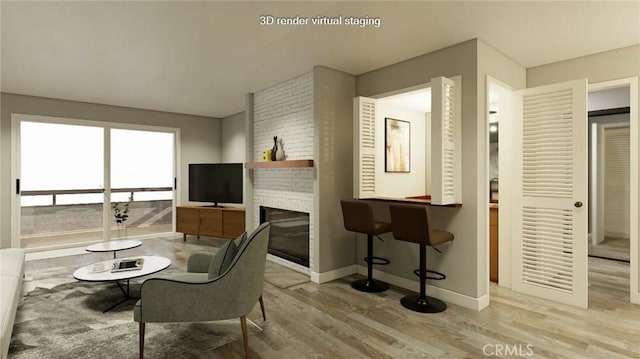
(215, 182)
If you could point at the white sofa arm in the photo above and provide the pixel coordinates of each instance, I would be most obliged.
(11, 276)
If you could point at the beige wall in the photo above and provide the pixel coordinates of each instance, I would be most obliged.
(248, 152)
(199, 136)
(605, 66)
(333, 93)
(465, 260)
(233, 138)
(459, 260)
(5, 238)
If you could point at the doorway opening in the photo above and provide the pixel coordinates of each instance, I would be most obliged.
(609, 191)
(609, 165)
(499, 121)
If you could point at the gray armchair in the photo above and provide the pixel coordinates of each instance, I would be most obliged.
(219, 286)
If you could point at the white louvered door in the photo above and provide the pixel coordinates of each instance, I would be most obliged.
(364, 151)
(550, 193)
(446, 142)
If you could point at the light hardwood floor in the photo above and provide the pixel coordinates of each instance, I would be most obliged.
(75, 237)
(614, 248)
(334, 321)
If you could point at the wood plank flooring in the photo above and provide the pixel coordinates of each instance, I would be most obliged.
(615, 248)
(334, 321)
(75, 237)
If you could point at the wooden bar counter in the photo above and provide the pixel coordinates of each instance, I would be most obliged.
(414, 199)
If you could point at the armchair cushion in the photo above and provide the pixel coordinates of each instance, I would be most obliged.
(222, 259)
(186, 277)
(199, 261)
(240, 240)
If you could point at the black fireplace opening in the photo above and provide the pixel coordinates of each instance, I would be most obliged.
(289, 235)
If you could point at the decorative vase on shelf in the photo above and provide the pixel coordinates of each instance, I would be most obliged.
(275, 148)
(279, 151)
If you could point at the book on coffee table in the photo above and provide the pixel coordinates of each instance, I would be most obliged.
(121, 265)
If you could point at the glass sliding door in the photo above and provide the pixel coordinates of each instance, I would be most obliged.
(142, 176)
(61, 183)
(82, 182)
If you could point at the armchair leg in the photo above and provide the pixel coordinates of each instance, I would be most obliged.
(141, 339)
(245, 336)
(264, 317)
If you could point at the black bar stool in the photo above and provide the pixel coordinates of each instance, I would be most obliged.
(412, 223)
(358, 217)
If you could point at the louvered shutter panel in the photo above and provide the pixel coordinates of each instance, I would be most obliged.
(364, 177)
(550, 226)
(446, 142)
(616, 182)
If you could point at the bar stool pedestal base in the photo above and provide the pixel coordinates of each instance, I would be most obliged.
(424, 304)
(369, 285)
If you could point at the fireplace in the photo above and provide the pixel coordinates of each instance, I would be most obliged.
(289, 238)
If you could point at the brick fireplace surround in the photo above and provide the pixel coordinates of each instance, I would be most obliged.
(285, 110)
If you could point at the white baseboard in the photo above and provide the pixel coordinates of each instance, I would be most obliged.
(443, 294)
(413, 285)
(483, 302)
(285, 263)
(333, 274)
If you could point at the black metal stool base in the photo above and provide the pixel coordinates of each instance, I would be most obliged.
(423, 305)
(369, 285)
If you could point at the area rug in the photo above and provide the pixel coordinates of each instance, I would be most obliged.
(60, 317)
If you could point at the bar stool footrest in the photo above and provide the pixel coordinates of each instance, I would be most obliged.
(440, 276)
(378, 261)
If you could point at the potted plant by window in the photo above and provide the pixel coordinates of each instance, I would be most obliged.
(120, 216)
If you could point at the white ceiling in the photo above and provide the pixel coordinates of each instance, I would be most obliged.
(419, 100)
(202, 57)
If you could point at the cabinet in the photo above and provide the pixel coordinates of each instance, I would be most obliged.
(224, 222)
(493, 243)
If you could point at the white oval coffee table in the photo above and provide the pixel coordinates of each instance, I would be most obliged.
(113, 246)
(101, 272)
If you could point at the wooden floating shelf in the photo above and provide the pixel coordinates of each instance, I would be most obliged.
(280, 164)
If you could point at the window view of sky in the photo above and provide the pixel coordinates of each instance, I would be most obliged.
(54, 156)
(68, 157)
